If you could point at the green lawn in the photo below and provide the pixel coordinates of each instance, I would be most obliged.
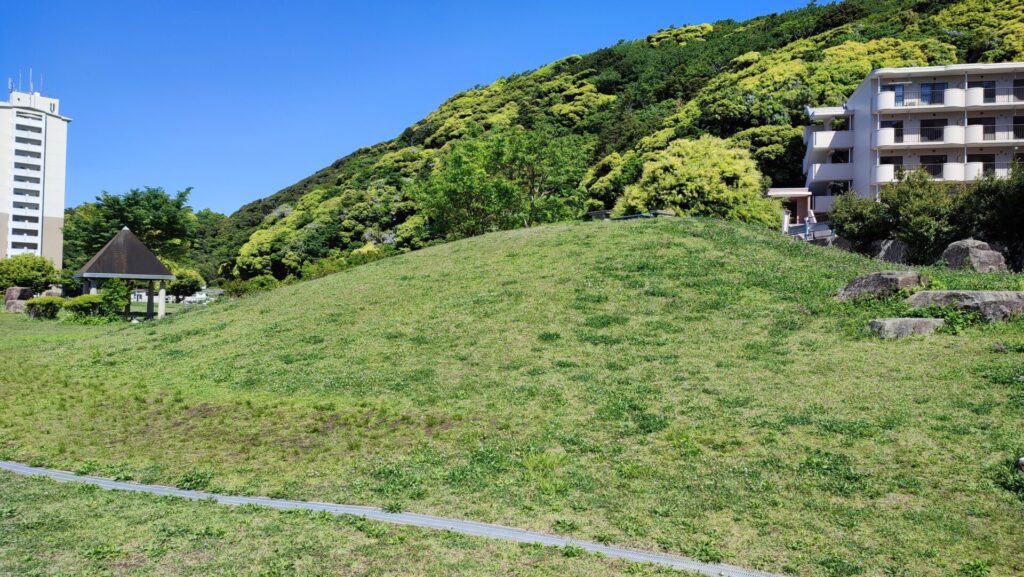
(677, 384)
(52, 529)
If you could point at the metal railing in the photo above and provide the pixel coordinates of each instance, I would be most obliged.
(1002, 94)
(919, 97)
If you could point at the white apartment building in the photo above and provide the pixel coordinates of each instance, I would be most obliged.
(33, 158)
(956, 122)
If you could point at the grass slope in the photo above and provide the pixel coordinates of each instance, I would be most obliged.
(52, 529)
(678, 384)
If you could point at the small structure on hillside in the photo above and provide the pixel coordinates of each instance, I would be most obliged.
(125, 257)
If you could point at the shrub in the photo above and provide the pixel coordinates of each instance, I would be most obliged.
(237, 287)
(84, 306)
(44, 307)
(28, 270)
(860, 220)
(115, 298)
(917, 210)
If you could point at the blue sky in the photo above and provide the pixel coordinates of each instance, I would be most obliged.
(240, 99)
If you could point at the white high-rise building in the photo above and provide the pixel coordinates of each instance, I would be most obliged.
(33, 159)
(958, 123)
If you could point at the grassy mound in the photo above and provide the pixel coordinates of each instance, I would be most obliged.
(678, 384)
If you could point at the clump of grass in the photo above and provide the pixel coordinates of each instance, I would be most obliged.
(194, 480)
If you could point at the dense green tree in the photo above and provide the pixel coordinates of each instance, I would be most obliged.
(919, 209)
(187, 281)
(993, 210)
(704, 177)
(461, 199)
(28, 270)
(207, 250)
(163, 222)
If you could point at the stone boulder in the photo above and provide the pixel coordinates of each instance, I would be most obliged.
(973, 255)
(904, 327)
(891, 250)
(15, 297)
(880, 284)
(994, 306)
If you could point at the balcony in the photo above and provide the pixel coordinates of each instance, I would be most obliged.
(829, 172)
(951, 171)
(17, 251)
(826, 139)
(1000, 97)
(925, 137)
(991, 134)
(979, 170)
(948, 99)
(885, 173)
(822, 204)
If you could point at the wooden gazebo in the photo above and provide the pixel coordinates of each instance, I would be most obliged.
(125, 257)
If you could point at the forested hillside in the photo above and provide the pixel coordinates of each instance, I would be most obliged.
(698, 118)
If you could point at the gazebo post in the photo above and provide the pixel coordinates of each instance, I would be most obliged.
(163, 301)
(149, 301)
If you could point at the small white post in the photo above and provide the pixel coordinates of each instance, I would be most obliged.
(92, 287)
(162, 304)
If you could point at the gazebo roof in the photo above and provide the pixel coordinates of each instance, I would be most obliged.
(125, 257)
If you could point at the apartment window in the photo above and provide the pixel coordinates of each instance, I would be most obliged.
(988, 85)
(1018, 89)
(25, 128)
(988, 160)
(841, 156)
(988, 123)
(932, 164)
(897, 126)
(23, 140)
(932, 129)
(933, 92)
(1018, 127)
(899, 89)
(838, 187)
(893, 160)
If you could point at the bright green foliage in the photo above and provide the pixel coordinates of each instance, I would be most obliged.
(84, 305)
(187, 281)
(775, 88)
(704, 177)
(114, 298)
(43, 307)
(988, 30)
(28, 270)
(681, 35)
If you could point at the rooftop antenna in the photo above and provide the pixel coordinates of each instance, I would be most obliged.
(40, 82)
(19, 80)
(10, 84)
(30, 89)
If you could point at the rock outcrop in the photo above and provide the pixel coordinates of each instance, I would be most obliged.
(994, 306)
(973, 255)
(880, 284)
(891, 250)
(15, 297)
(904, 327)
